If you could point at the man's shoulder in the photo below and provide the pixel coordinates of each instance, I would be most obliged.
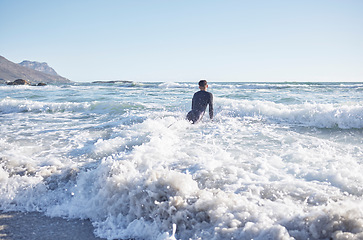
(199, 93)
(203, 94)
(209, 93)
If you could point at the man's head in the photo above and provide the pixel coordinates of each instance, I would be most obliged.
(203, 85)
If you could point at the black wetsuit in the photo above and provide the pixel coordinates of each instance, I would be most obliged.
(200, 102)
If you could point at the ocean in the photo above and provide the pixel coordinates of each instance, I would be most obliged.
(278, 161)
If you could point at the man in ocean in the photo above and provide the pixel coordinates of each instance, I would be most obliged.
(201, 100)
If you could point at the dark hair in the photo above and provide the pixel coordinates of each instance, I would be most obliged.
(202, 83)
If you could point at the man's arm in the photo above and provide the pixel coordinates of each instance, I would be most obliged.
(193, 101)
(211, 106)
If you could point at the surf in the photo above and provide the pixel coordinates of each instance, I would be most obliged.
(126, 158)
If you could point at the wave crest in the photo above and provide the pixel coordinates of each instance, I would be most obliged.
(10, 105)
(343, 116)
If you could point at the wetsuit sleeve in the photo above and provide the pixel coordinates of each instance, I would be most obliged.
(211, 106)
(193, 101)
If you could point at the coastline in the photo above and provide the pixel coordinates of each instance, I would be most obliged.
(35, 225)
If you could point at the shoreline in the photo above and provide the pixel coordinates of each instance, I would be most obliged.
(35, 225)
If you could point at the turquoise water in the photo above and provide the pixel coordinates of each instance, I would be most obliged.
(279, 161)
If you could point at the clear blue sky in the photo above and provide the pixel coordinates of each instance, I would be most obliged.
(188, 40)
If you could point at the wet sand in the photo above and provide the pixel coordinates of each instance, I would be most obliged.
(34, 225)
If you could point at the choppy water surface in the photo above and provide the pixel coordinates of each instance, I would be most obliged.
(279, 161)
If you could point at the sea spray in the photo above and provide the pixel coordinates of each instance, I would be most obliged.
(279, 161)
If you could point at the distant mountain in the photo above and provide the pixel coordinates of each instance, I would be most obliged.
(10, 71)
(38, 66)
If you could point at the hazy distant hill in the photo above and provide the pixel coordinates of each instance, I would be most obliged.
(38, 66)
(10, 71)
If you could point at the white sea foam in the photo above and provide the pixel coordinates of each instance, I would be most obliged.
(132, 165)
(345, 116)
(174, 85)
(9, 105)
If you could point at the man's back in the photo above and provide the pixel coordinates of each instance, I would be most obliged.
(201, 100)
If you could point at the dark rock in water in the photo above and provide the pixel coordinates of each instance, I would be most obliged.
(25, 82)
(19, 82)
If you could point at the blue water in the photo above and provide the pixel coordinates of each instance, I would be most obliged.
(279, 161)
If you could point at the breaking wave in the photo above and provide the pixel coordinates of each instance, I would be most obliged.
(343, 116)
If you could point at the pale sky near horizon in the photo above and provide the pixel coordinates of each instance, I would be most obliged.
(170, 40)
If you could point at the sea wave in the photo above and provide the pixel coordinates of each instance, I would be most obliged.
(286, 85)
(125, 158)
(343, 116)
(142, 180)
(11, 105)
(144, 193)
(175, 85)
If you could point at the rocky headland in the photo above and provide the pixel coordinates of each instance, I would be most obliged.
(10, 72)
(39, 66)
